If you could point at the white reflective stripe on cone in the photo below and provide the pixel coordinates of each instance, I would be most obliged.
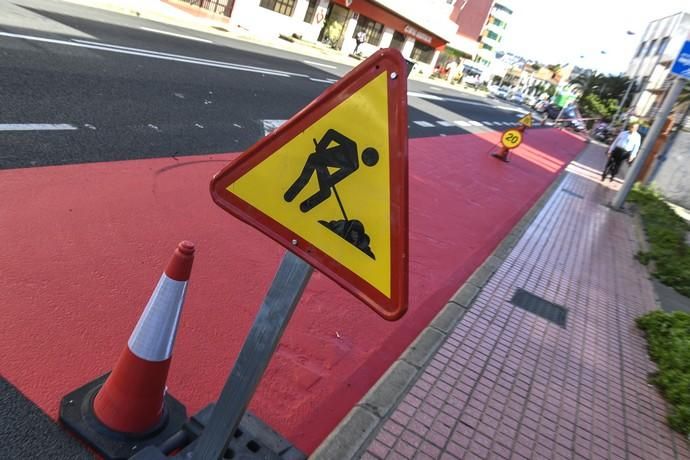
(154, 335)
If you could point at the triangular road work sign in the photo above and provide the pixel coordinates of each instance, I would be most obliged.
(526, 120)
(331, 183)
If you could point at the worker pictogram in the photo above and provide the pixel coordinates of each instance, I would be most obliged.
(337, 153)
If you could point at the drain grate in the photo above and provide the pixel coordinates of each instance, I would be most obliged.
(571, 193)
(540, 307)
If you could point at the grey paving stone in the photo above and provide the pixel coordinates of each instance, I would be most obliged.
(447, 318)
(381, 398)
(348, 437)
(423, 347)
(465, 295)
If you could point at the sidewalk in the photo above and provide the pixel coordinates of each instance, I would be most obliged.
(505, 383)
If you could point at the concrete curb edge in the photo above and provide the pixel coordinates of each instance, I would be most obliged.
(353, 433)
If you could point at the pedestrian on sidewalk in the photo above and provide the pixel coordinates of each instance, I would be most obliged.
(624, 147)
(451, 69)
(360, 38)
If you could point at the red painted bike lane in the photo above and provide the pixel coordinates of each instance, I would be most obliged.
(85, 244)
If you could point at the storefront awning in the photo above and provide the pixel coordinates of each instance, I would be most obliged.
(392, 14)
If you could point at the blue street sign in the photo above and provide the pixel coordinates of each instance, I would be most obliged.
(682, 65)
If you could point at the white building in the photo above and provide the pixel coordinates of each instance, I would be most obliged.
(491, 37)
(650, 67)
(419, 29)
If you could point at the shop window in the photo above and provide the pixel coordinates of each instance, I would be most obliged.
(285, 7)
(398, 41)
(311, 12)
(372, 29)
(422, 52)
(662, 45)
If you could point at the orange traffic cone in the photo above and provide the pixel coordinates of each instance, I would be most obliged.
(502, 154)
(129, 408)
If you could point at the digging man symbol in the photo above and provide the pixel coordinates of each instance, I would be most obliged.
(339, 153)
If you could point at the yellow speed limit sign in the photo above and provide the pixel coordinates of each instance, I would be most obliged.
(511, 138)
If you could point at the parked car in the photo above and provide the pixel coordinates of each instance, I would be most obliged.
(569, 115)
(517, 97)
(541, 105)
(502, 93)
(530, 100)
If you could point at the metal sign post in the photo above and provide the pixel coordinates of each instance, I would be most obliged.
(275, 313)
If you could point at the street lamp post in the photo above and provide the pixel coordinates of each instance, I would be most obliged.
(630, 84)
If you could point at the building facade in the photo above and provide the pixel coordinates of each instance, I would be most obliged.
(650, 66)
(411, 26)
(491, 37)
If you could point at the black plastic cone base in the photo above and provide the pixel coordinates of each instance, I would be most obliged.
(76, 414)
(503, 158)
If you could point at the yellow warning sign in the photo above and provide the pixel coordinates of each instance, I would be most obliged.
(511, 138)
(330, 185)
(526, 120)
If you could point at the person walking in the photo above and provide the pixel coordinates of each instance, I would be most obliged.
(360, 37)
(624, 147)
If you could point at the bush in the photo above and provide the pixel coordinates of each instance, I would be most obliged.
(668, 339)
(666, 232)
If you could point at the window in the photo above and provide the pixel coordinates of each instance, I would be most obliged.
(639, 50)
(422, 52)
(285, 7)
(498, 22)
(311, 12)
(372, 29)
(662, 45)
(650, 47)
(486, 47)
(492, 35)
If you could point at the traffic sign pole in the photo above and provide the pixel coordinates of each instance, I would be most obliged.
(275, 313)
(648, 143)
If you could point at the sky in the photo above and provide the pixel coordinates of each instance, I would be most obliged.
(560, 31)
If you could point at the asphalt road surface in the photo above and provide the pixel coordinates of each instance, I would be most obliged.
(83, 85)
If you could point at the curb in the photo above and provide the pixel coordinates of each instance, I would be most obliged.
(352, 435)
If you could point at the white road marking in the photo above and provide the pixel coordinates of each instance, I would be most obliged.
(328, 66)
(462, 123)
(177, 57)
(424, 96)
(474, 123)
(172, 34)
(436, 88)
(154, 55)
(488, 123)
(424, 124)
(271, 125)
(321, 80)
(36, 127)
(444, 123)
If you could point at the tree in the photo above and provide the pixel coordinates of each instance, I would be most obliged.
(601, 94)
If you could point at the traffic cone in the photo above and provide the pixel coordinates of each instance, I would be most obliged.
(129, 408)
(502, 154)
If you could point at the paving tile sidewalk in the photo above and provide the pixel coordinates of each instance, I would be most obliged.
(509, 384)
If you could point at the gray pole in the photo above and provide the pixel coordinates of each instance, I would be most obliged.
(625, 98)
(648, 143)
(633, 78)
(274, 314)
